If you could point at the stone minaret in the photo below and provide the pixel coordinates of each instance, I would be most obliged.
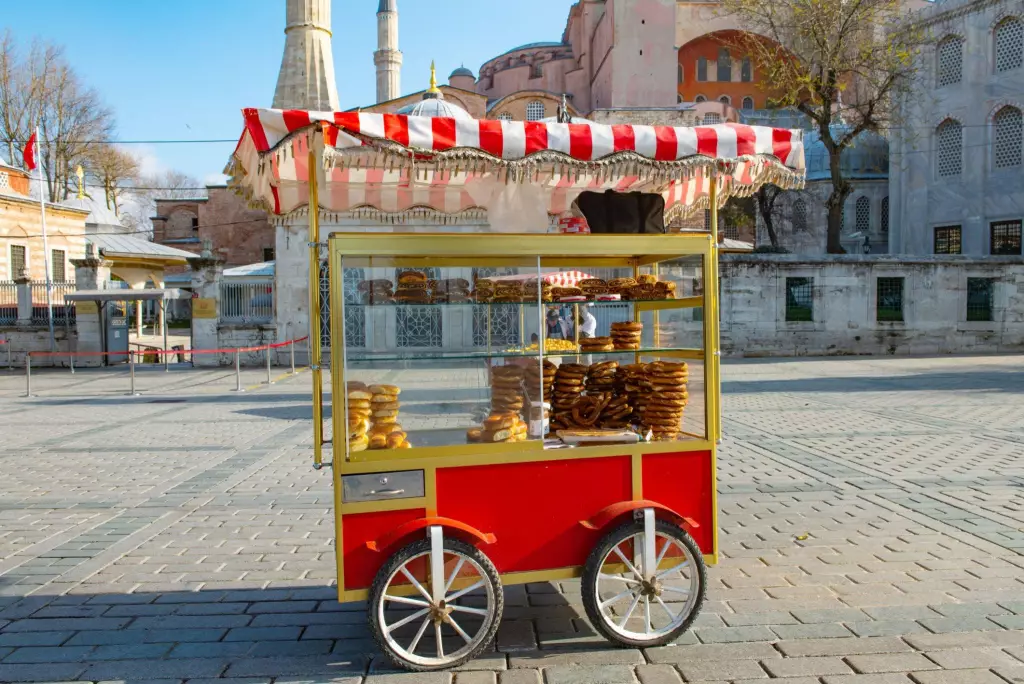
(307, 80)
(388, 57)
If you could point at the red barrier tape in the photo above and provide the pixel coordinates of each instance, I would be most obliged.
(163, 352)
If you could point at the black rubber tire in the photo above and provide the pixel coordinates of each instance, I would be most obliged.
(593, 567)
(402, 556)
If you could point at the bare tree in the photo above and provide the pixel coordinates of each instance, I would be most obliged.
(40, 89)
(766, 196)
(116, 171)
(141, 204)
(836, 61)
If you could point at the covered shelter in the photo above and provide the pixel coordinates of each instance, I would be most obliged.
(102, 297)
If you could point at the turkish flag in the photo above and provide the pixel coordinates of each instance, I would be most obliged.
(30, 153)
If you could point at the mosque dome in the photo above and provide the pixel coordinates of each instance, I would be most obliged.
(462, 71)
(866, 159)
(434, 104)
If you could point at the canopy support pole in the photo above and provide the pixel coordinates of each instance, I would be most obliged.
(713, 322)
(315, 352)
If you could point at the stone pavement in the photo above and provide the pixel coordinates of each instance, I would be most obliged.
(872, 528)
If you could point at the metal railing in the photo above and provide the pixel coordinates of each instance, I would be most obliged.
(63, 311)
(247, 302)
(8, 302)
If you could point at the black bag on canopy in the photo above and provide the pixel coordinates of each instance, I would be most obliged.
(623, 212)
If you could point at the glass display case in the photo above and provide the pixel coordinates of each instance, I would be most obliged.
(505, 344)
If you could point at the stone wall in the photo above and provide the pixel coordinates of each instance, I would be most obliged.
(845, 304)
(23, 339)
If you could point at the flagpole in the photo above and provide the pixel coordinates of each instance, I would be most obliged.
(46, 253)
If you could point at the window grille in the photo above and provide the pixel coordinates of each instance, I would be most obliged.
(724, 65)
(707, 220)
(883, 215)
(700, 98)
(746, 72)
(1006, 238)
(1006, 138)
(355, 309)
(58, 273)
(725, 99)
(980, 296)
(799, 299)
(505, 116)
(947, 240)
(799, 215)
(949, 58)
(862, 214)
(19, 260)
(419, 325)
(1009, 44)
(535, 111)
(889, 305)
(949, 148)
(748, 103)
(711, 118)
(702, 68)
(536, 71)
(5, 180)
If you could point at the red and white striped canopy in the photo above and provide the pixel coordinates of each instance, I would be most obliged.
(394, 163)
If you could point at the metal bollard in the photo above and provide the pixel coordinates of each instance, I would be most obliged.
(10, 363)
(238, 372)
(131, 373)
(267, 354)
(293, 356)
(71, 358)
(28, 374)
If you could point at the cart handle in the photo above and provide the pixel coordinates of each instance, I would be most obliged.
(610, 513)
(408, 528)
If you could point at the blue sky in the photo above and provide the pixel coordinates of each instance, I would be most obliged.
(183, 69)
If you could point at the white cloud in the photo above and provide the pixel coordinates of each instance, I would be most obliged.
(215, 179)
(150, 164)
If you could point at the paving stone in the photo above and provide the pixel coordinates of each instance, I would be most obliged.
(728, 635)
(825, 616)
(801, 667)
(318, 666)
(750, 619)
(958, 624)
(59, 672)
(712, 652)
(658, 674)
(520, 677)
(213, 649)
(545, 659)
(842, 647)
(130, 651)
(957, 677)
(590, 674)
(819, 631)
(885, 628)
(971, 658)
(263, 634)
(157, 669)
(961, 610)
(34, 638)
(890, 662)
(886, 678)
(48, 654)
(694, 671)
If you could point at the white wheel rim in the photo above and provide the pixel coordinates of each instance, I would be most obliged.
(408, 617)
(640, 605)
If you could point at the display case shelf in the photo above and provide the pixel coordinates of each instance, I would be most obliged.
(673, 352)
(641, 304)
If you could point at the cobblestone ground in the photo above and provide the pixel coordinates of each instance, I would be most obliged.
(872, 531)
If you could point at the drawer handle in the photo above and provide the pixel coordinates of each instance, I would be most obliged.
(387, 492)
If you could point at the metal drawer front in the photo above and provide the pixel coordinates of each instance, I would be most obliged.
(407, 484)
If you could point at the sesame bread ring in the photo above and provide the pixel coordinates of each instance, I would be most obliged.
(385, 429)
(646, 279)
(396, 439)
(473, 435)
(670, 395)
(385, 389)
(359, 395)
(385, 420)
(622, 282)
(627, 326)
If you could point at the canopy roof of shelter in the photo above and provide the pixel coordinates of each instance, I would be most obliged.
(127, 295)
(520, 172)
(124, 247)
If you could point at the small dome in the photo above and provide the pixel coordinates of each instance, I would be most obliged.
(462, 71)
(434, 104)
(867, 158)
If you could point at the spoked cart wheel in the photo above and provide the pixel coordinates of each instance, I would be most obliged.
(435, 604)
(644, 583)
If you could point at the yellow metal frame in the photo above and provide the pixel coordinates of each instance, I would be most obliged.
(478, 250)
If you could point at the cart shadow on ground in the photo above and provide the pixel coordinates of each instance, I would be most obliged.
(275, 632)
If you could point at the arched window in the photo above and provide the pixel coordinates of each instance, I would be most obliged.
(949, 148)
(862, 214)
(1008, 38)
(679, 73)
(535, 111)
(1006, 138)
(883, 215)
(536, 70)
(725, 99)
(949, 60)
(712, 118)
(700, 98)
(702, 68)
(799, 216)
(724, 65)
(505, 116)
(746, 71)
(748, 103)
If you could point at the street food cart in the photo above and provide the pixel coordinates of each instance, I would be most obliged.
(463, 461)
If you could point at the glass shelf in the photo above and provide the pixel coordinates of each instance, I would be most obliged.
(681, 302)
(353, 358)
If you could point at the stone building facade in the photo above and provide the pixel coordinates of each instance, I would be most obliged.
(957, 178)
(239, 235)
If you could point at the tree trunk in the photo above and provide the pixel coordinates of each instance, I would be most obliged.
(841, 189)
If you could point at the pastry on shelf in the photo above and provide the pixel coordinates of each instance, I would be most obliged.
(626, 336)
(662, 414)
(596, 344)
